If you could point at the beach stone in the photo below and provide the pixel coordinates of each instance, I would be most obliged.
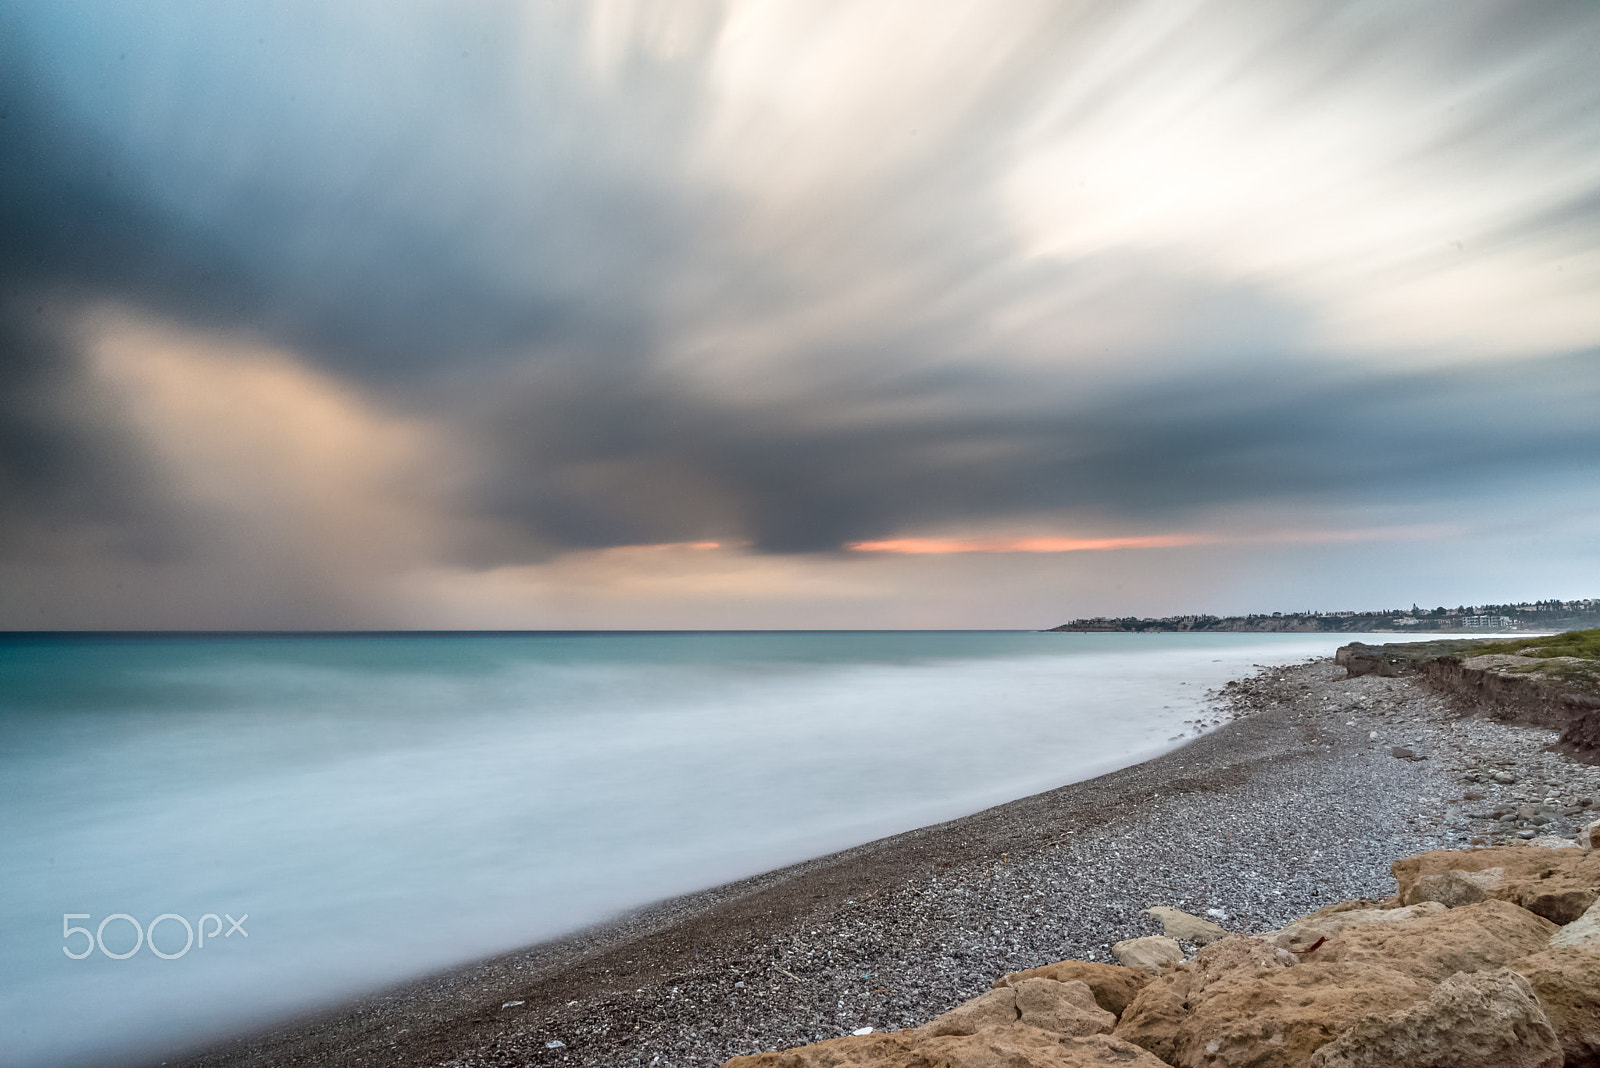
(1261, 1017)
(1590, 836)
(1148, 953)
(1558, 884)
(1112, 985)
(1014, 1046)
(1479, 1020)
(1470, 938)
(1064, 1008)
(1176, 923)
(1567, 984)
(1581, 933)
(1405, 752)
(1550, 841)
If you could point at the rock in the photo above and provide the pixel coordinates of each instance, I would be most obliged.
(1176, 923)
(1558, 884)
(1581, 933)
(1504, 778)
(1470, 938)
(997, 1008)
(1238, 954)
(1148, 953)
(1453, 888)
(1480, 1020)
(1062, 1008)
(1065, 1008)
(1474, 795)
(1156, 1019)
(1550, 841)
(1017, 1046)
(861, 1031)
(1269, 1017)
(1590, 836)
(1113, 986)
(1567, 984)
(1323, 923)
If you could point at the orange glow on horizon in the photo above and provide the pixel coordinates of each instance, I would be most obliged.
(1024, 545)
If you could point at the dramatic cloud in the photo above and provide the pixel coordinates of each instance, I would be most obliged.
(546, 313)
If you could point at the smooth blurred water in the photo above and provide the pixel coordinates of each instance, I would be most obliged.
(381, 806)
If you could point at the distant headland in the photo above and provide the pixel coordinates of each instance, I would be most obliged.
(1534, 615)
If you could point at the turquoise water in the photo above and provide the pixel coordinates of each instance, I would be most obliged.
(381, 806)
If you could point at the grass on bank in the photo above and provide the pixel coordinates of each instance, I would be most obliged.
(1583, 644)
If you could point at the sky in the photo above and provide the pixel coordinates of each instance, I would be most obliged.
(793, 313)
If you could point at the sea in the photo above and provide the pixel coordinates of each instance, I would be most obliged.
(202, 833)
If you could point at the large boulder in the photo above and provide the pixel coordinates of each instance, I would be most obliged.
(1113, 986)
(1581, 933)
(1472, 938)
(1567, 983)
(1244, 1003)
(1016, 1046)
(1318, 927)
(1478, 1020)
(1558, 884)
(1063, 1008)
(1452, 889)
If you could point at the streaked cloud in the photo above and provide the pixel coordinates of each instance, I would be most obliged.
(610, 300)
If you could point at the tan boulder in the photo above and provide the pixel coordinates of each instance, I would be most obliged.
(1318, 926)
(1581, 933)
(1157, 1018)
(1472, 938)
(1147, 954)
(1175, 923)
(1478, 1020)
(1016, 1046)
(1113, 986)
(1558, 884)
(996, 1008)
(1453, 889)
(1242, 1002)
(1567, 984)
(1589, 837)
(1063, 1008)
(1238, 955)
(1028, 1047)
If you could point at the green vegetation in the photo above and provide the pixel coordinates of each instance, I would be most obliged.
(1584, 644)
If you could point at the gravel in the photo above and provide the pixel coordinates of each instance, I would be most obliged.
(1295, 801)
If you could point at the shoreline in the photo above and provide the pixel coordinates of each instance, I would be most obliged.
(1288, 807)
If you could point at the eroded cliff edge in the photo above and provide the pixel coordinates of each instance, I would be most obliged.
(1551, 682)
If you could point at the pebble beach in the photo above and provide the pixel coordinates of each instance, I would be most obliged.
(1301, 788)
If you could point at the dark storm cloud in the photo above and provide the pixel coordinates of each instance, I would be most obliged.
(1157, 457)
(483, 231)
